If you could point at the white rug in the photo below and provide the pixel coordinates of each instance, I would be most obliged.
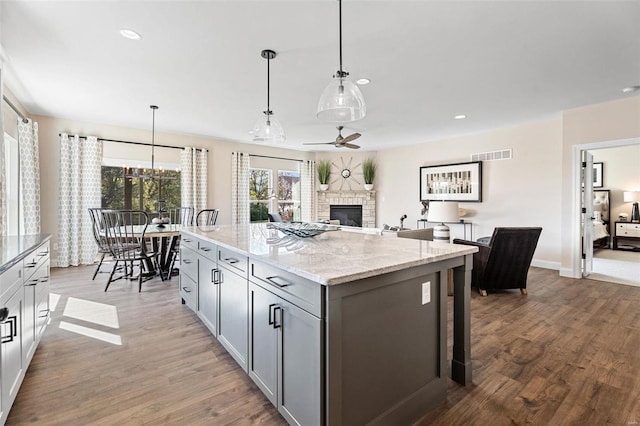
(617, 266)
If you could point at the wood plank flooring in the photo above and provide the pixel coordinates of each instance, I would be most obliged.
(566, 354)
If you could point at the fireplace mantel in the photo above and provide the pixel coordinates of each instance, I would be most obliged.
(367, 199)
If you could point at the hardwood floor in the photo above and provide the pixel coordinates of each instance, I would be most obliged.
(568, 353)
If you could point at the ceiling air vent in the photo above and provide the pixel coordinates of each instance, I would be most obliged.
(503, 154)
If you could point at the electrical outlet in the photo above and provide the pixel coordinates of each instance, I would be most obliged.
(426, 292)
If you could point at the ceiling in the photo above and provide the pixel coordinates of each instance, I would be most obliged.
(501, 63)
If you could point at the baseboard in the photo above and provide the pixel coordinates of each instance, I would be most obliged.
(546, 264)
(568, 273)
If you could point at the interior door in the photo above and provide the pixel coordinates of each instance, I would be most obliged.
(587, 213)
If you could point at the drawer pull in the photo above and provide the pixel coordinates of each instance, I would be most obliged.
(46, 313)
(31, 265)
(31, 283)
(270, 318)
(205, 248)
(231, 260)
(186, 240)
(186, 289)
(44, 253)
(274, 280)
(186, 261)
(215, 276)
(12, 330)
(44, 279)
(275, 324)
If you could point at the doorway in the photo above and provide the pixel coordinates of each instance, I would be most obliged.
(619, 163)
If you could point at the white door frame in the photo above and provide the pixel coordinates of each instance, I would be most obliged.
(576, 205)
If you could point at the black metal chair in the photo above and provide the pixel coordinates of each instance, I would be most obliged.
(181, 215)
(207, 217)
(504, 262)
(98, 229)
(125, 237)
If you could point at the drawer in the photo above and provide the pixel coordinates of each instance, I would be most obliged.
(188, 241)
(189, 292)
(236, 262)
(42, 307)
(188, 263)
(303, 293)
(35, 259)
(627, 230)
(207, 250)
(10, 277)
(39, 279)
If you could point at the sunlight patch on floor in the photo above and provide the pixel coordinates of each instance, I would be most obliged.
(93, 312)
(53, 301)
(91, 332)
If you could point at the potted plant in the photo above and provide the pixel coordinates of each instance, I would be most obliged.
(324, 173)
(369, 167)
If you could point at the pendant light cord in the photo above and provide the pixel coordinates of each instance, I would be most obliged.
(340, 25)
(268, 112)
(153, 140)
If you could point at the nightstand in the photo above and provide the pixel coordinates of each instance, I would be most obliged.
(626, 231)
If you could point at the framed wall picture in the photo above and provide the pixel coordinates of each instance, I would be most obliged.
(597, 174)
(452, 182)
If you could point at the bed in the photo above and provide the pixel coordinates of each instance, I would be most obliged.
(601, 220)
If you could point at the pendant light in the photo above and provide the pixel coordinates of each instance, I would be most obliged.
(268, 129)
(341, 101)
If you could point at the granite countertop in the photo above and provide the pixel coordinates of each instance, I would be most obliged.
(14, 248)
(334, 257)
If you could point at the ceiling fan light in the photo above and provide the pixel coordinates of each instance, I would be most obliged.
(341, 102)
(267, 130)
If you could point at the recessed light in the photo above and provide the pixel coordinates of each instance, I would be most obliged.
(460, 117)
(630, 89)
(130, 34)
(363, 81)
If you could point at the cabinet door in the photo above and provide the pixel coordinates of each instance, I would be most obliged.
(263, 338)
(208, 294)
(12, 360)
(29, 319)
(233, 324)
(301, 364)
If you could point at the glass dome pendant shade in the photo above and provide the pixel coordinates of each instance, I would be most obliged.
(341, 101)
(267, 128)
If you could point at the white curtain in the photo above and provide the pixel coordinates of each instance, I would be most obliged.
(239, 187)
(308, 191)
(80, 178)
(3, 173)
(194, 175)
(29, 176)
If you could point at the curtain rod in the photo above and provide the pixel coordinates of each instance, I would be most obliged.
(14, 108)
(138, 143)
(275, 158)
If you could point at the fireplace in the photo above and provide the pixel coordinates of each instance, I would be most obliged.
(348, 215)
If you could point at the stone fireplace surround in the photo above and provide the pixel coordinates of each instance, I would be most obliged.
(367, 199)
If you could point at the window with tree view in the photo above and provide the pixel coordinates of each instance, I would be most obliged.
(127, 188)
(286, 194)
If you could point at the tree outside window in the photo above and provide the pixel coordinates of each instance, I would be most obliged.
(289, 195)
(123, 188)
(259, 184)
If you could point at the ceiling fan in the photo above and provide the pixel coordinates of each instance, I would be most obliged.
(340, 140)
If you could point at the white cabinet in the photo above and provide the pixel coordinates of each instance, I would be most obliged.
(626, 236)
(12, 359)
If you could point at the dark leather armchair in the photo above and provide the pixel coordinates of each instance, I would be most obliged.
(504, 262)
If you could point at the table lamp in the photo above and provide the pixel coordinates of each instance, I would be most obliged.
(442, 211)
(633, 197)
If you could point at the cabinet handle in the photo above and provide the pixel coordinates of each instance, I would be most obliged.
(44, 279)
(186, 261)
(46, 313)
(205, 248)
(186, 289)
(270, 318)
(231, 260)
(274, 280)
(186, 240)
(31, 283)
(275, 324)
(44, 253)
(12, 330)
(31, 265)
(215, 276)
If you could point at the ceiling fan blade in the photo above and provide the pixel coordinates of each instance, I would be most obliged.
(319, 143)
(350, 138)
(350, 145)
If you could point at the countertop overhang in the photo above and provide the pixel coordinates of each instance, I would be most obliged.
(14, 248)
(334, 257)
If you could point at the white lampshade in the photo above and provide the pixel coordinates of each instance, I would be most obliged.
(341, 102)
(443, 211)
(267, 129)
(631, 196)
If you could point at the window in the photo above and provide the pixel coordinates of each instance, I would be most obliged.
(289, 195)
(259, 184)
(125, 188)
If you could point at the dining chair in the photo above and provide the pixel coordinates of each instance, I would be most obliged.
(207, 217)
(97, 226)
(181, 215)
(125, 237)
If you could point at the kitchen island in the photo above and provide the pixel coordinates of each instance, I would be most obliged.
(339, 329)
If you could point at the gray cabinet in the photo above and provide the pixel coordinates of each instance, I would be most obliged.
(208, 293)
(233, 318)
(189, 277)
(286, 349)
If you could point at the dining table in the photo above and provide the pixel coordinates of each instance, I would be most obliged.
(164, 240)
